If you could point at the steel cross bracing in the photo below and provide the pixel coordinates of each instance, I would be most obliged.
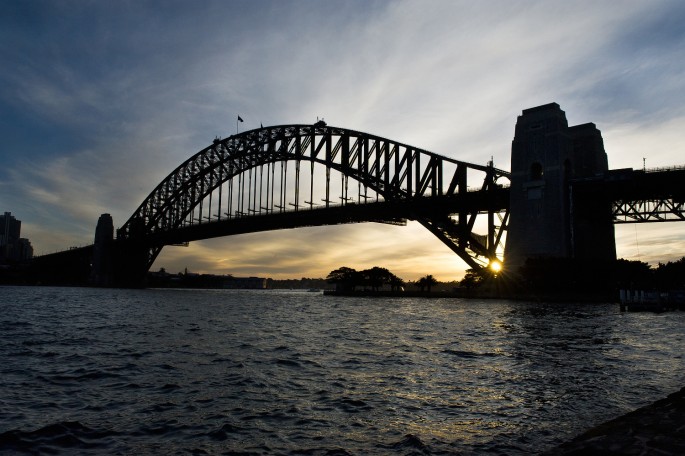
(295, 168)
(652, 195)
(642, 211)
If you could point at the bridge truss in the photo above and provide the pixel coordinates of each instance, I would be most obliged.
(641, 196)
(642, 211)
(304, 175)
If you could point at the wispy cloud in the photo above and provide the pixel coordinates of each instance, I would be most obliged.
(105, 99)
(409, 252)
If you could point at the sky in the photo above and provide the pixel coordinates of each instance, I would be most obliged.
(100, 101)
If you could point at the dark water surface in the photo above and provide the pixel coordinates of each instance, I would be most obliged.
(92, 371)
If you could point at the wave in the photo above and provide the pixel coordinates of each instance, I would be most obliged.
(54, 437)
(410, 443)
(469, 354)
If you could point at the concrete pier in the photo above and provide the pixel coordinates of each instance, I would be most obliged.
(658, 428)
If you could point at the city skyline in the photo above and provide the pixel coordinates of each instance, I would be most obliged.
(103, 101)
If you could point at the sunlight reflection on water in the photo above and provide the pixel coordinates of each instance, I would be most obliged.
(173, 371)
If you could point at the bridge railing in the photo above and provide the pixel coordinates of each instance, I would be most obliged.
(664, 168)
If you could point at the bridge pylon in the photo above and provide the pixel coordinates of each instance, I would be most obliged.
(101, 274)
(130, 258)
(547, 220)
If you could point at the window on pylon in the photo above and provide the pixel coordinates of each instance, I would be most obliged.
(536, 171)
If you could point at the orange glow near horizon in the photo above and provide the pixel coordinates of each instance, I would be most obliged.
(410, 252)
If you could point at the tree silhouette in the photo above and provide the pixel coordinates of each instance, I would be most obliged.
(344, 278)
(426, 282)
(670, 275)
(471, 279)
(430, 281)
(347, 279)
(396, 284)
(375, 277)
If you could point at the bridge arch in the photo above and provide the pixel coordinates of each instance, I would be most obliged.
(226, 183)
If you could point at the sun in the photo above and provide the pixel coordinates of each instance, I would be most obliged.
(495, 266)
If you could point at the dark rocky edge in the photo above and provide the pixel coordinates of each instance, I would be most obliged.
(657, 429)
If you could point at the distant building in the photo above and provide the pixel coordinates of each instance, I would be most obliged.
(13, 247)
(251, 283)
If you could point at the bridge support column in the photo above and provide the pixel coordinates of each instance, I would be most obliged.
(546, 219)
(129, 264)
(130, 258)
(101, 269)
(117, 263)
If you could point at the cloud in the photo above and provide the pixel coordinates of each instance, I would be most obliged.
(409, 252)
(650, 242)
(628, 142)
(105, 99)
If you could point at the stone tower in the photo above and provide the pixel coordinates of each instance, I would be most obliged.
(101, 273)
(545, 220)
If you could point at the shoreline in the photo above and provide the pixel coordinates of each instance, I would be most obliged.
(587, 298)
(477, 294)
(657, 428)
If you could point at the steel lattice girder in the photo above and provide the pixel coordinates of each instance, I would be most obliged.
(642, 211)
(393, 170)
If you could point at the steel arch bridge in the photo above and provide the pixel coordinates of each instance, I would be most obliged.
(304, 175)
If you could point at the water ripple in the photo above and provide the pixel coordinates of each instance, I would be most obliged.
(266, 372)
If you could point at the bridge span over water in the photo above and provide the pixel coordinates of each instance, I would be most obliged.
(560, 194)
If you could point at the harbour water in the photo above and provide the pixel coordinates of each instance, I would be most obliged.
(93, 371)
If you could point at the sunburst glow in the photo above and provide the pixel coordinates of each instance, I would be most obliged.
(495, 266)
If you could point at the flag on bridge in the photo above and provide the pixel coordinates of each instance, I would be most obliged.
(240, 119)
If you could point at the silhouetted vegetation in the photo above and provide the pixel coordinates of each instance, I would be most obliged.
(549, 277)
(426, 282)
(305, 283)
(344, 278)
(556, 275)
(471, 280)
(670, 275)
(163, 279)
(349, 279)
